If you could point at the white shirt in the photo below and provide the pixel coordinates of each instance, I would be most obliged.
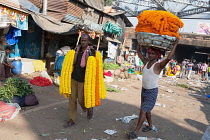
(150, 79)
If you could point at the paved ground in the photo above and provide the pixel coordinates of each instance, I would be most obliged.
(184, 117)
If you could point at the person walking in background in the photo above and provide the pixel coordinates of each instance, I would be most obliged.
(204, 69)
(189, 68)
(197, 68)
(183, 68)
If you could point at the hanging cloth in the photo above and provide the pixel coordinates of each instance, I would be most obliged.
(12, 35)
(83, 61)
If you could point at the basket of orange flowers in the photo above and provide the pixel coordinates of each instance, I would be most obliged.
(158, 29)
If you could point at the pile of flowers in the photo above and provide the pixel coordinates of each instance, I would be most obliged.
(159, 22)
(41, 81)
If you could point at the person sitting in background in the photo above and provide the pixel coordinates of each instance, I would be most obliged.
(179, 68)
(120, 60)
(5, 66)
(174, 69)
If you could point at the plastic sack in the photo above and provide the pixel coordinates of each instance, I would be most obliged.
(46, 75)
(56, 80)
(8, 111)
(31, 100)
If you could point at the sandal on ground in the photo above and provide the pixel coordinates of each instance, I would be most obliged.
(146, 129)
(69, 124)
(132, 136)
(90, 113)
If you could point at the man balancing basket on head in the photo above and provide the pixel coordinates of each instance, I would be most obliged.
(156, 30)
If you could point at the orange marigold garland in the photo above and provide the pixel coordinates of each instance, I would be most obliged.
(159, 22)
(99, 78)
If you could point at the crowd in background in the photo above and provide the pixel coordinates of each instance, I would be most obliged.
(185, 68)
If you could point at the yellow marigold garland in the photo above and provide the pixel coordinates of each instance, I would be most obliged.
(88, 84)
(94, 87)
(65, 79)
(87, 88)
(159, 22)
(93, 82)
(100, 87)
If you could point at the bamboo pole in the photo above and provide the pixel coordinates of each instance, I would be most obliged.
(99, 39)
(79, 37)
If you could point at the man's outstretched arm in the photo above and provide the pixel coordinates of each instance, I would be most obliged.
(170, 56)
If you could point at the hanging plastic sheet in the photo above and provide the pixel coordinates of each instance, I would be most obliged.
(12, 35)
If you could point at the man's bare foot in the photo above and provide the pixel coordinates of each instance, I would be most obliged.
(90, 113)
(69, 124)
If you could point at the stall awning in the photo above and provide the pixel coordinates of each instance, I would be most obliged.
(113, 40)
(51, 24)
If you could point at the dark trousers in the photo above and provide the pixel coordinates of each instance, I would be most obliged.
(77, 94)
(4, 71)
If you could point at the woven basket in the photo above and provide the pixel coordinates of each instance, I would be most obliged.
(163, 42)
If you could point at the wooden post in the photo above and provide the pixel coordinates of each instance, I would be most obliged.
(78, 37)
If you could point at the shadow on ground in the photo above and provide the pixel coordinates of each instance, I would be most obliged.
(201, 97)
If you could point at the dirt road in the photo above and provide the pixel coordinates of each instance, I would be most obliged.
(184, 117)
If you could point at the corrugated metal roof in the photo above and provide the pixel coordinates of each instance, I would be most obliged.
(74, 9)
(56, 8)
(116, 13)
(122, 14)
(72, 19)
(97, 4)
(13, 6)
(20, 4)
(94, 26)
(93, 16)
(37, 3)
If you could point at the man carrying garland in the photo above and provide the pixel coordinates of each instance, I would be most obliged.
(83, 51)
(149, 92)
